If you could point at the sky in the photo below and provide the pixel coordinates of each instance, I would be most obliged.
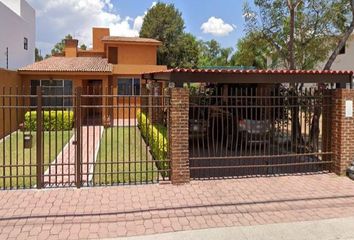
(221, 20)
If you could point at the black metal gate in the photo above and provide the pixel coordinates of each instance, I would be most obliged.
(247, 130)
(92, 137)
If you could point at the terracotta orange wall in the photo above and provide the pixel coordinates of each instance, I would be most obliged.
(136, 54)
(10, 118)
(97, 35)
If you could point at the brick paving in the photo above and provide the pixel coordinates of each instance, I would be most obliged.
(62, 170)
(91, 213)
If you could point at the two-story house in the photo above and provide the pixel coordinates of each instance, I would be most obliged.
(114, 65)
(17, 34)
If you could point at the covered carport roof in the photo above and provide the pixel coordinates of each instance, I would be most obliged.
(180, 76)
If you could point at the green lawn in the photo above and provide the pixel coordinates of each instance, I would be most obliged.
(123, 157)
(22, 173)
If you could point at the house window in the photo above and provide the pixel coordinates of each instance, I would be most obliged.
(342, 51)
(113, 55)
(25, 43)
(128, 86)
(55, 92)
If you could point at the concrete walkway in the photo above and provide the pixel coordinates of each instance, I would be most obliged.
(123, 211)
(62, 170)
(339, 228)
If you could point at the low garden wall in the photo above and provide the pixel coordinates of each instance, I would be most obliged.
(9, 81)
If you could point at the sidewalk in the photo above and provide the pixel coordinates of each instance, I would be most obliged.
(339, 228)
(123, 211)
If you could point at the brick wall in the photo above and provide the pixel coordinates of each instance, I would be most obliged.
(342, 140)
(178, 129)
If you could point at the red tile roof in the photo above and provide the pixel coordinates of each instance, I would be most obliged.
(188, 70)
(70, 64)
(130, 39)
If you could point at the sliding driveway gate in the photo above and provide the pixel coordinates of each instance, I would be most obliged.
(247, 130)
(93, 137)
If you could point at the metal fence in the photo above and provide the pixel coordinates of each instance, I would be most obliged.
(240, 130)
(93, 137)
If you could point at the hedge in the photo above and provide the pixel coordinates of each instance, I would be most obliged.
(52, 120)
(156, 137)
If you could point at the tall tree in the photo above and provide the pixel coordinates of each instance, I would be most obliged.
(164, 23)
(59, 47)
(342, 6)
(37, 54)
(252, 50)
(301, 32)
(212, 54)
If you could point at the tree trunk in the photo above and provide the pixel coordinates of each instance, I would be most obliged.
(342, 42)
(315, 126)
(292, 64)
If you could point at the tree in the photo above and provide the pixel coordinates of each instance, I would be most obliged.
(212, 54)
(59, 47)
(164, 23)
(37, 54)
(301, 33)
(188, 55)
(83, 47)
(252, 50)
(345, 36)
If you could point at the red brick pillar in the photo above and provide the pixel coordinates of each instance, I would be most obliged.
(178, 129)
(342, 141)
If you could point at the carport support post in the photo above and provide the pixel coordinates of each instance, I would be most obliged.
(178, 132)
(342, 140)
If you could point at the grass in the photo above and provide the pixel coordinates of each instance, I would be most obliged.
(123, 157)
(20, 164)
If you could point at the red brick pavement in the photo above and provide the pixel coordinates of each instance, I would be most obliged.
(148, 209)
(62, 170)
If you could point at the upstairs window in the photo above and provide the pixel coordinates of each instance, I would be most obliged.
(25, 43)
(113, 55)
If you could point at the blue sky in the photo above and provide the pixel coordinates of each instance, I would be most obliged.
(206, 19)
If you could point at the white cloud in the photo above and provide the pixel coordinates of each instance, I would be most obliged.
(217, 27)
(57, 18)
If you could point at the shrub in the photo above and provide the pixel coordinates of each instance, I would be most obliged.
(52, 120)
(156, 137)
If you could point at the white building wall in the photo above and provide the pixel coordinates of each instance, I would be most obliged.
(345, 61)
(17, 21)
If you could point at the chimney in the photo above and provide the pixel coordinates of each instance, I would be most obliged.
(71, 47)
(97, 35)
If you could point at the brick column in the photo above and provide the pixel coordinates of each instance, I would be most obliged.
(155, 103)
(342, 140)
(178, 130)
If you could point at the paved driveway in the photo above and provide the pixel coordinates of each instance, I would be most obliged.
(148, 209)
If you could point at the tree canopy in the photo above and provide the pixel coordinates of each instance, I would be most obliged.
(59, 47)
(165, 23)
(299, 33)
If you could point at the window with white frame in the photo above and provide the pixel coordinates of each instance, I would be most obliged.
(128, 86)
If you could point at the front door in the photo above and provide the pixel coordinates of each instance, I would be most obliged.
(94, 99)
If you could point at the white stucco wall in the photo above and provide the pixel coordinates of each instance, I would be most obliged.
(17, 21)
(345, 61)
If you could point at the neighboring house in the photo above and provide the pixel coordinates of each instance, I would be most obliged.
(17, 34)
(113, 65)
(344, 61)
